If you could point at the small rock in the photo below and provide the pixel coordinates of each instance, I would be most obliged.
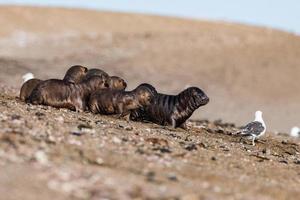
(59, 119)
(213, 158)
(219, 130)
(100, 122)
(16, 117)
(116, 140)
(99, 161)
(84, 126)
(284, 161)
(39, 114)
(266, 151)
(203, 145)
(77, 133)
(172, 177)
(150, 176)
(297, 162)
(190, 147)
(41, 157)
(128, 128)
(163, 149)
(285, 142)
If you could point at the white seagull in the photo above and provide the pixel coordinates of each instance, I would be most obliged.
(27, 77)
(295, 132)
(254, 129)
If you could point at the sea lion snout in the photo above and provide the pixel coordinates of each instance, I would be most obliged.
(146, 93)
(97, 82)
(204, 100)
(200, 96)
(75, 74)
(117, 83)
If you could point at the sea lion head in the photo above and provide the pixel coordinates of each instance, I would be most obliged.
(75, 74)
(96, 83)
(117, 83)
(198, 97)
(146, 94)
(95, 72)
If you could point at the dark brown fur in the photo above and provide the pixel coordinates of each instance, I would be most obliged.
(172, 109)
(75, 74)
(62, 94)
(96, 72)
(120, 102)
(115, 82)
(28, 87)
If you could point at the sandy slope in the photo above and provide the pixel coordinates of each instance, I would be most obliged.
(49, 153)
(242, 68)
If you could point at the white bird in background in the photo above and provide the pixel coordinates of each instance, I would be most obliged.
(27, 77)
(254, 129)
(295, 132)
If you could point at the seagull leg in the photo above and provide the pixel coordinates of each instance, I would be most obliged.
(253, 139)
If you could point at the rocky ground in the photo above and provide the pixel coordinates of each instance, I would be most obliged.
(48, 153)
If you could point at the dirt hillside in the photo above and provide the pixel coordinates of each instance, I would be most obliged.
(47, 153)
(241, 68)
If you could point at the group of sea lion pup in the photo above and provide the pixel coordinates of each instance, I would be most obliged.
(84, 89)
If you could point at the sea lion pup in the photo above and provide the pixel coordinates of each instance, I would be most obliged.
(96, 72)
(115, 82)
(110, 101)
(172, 109)
(63, 94)
(75, 74)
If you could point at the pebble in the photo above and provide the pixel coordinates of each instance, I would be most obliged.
(172, 177)
(41, 157)
(284, 161)
(266, 151)
(99, 161)
(190, 147)
(59, 119)
(297, 162)
(116, 140)
(150, 176)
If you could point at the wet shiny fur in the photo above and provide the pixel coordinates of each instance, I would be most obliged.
(28, 87)
(115, 82)
(63, 94)
(75, 74)
(172, 109)
(109, 101)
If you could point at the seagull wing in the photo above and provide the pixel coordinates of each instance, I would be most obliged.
(253, 128)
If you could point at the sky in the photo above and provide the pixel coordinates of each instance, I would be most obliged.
(278, 14)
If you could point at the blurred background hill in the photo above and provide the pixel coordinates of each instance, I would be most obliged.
(242, 68)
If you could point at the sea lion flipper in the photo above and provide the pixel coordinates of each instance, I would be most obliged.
(173, 122)
(183, 126)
